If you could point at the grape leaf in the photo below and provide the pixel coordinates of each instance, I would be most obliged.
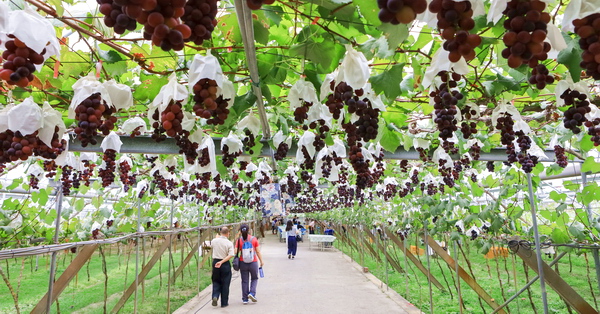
(390, 140)
(389, 82)
(571, 57)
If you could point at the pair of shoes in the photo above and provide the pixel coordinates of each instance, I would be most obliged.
(289, 256)
(253, 298)
(245, 302)
(214, 301)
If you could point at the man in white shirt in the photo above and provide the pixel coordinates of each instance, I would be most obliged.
(222, 252)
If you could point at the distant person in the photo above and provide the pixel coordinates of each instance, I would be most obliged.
(274, 226)
(311, 227)
(222, 252)
(249, 257)
(292, 231)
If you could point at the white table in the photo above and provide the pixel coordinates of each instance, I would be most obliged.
(322, 241)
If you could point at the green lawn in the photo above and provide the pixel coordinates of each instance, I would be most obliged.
(85, 293)
(496, 276)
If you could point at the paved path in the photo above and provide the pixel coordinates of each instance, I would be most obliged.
(315, 282)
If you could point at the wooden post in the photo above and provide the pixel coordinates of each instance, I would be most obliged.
(556, 282)
(463, 274)
(413, 259)
(145, 270)
(188, 258)
(61, 283)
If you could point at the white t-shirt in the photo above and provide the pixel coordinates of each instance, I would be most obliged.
(293, 232)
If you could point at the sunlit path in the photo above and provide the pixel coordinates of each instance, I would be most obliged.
(315, 282)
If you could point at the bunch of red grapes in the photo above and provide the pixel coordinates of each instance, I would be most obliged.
(207, 104)
(455, 20)
(127, 177)
(15, 146)
(561, 157)
(400, 11)
(468, 128)
(115, 15)
(579, 106)
(108, 172)
(66, 179)
(282, 151)
(588, 29)
(229, 157)
(368, 117)
(20, 61)
(93, 115)
(169, 123)
(526, 27)
(594, 130)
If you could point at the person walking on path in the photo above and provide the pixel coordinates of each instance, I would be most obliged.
(249, 258)
(292, 231)
(222, 252)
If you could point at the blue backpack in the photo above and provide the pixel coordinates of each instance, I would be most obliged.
(248, 252)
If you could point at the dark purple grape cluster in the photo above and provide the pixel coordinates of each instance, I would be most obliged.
(108, 173)
(282, 151)
(507, 135)
(526, 160)
(200, 17)
(594, 130)
(455, 20)
(127, 177)
(34, 182)
(423, 155)
(249, 142)
(468, 128)
(490, 166)
(445, 101)
(115, 16)
(575, 115)
(204, 157)
(475, 151)
(66, 179)
(257, 4)
(540, 76)
(301, 112)
(400, 11)
(561, 157)
(207, 104)
(229, 158)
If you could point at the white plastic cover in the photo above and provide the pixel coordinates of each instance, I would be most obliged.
(51, 118)
(133, 123)
(171, 91)
(120, 94)
(307, 139)
(112, 141)
(302, 91)
(25, 117)
(85, 87)
(251, 123)
(577, 9)
(233, 142)
(205, 67)
(354, 69)
(440, 62)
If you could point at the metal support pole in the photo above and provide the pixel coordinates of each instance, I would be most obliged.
(428, 270)
(538, 249)
(59, 197)
(590, 218)
(199, 252)
(137, 257)
(527, 285)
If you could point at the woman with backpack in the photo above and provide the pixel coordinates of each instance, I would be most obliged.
(292, 232)
(248, 245)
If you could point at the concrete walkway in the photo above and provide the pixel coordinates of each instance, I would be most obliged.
(315, 282)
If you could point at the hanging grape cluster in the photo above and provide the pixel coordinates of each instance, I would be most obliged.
(200, 17)
(115, 16)
(445, 99)
(507, 135)
(588, 29)
(400, 11)
(20, 62)
(594, 130)
(282, 150)
(455, 20)
(468, 128)
(526, 27)
(207, 104)
(66, 179)
(229, 157)
(579, 106)
(126, 176)
(368, 117)
(526, 160)
(110, 165)
(15, 146)
(249, 142)
(93, 115)
(561, 157)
